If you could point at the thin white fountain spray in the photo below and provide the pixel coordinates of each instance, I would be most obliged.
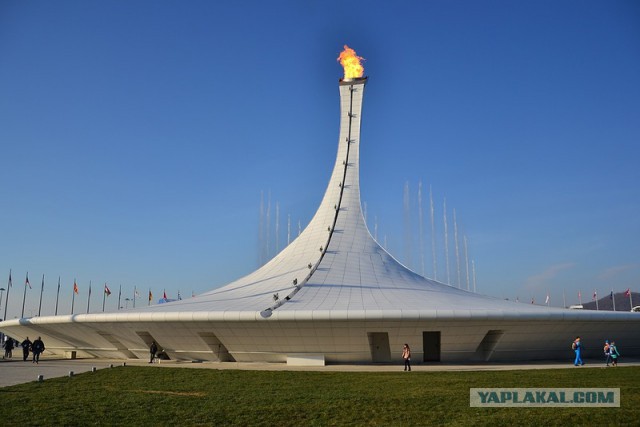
(446, 239)
(421, 227)
(268, 236)
(261, 251)
(407, 226)
(466, 261)
(433, 236)
(375, 227)
(455, 237)
(473, 269)
(277, 227)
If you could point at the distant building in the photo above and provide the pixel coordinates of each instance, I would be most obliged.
(606, 303)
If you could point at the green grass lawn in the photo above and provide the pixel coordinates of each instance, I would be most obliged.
(176, 396)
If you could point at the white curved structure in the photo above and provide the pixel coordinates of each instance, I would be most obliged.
(334, 294)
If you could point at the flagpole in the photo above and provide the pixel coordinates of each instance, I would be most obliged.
(630, 300)
(564, 299)
(595, 294)
(73, 295)
(6, 301)
(119, 295)
(41, 291)
(613, 298)
(57, 297)
(104, 296)
(89, 297)
(135, 291)
(24, 295)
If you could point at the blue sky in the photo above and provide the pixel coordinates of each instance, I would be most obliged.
(136, 138)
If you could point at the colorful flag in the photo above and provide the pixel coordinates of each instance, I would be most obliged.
(627, 292)
(75, 287)
(595, 295)
(611, 295)
(150, 295)
(164, 295)
(107, 290)
(26, 282)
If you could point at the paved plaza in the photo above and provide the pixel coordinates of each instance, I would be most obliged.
(15, 371)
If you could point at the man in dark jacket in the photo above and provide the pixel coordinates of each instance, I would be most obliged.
(26, 346)
(37, 347)
(152, 350)
(8, 348)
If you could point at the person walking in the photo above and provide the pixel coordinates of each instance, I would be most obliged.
(8, 348)
(152, 351)
(37, 347)
(614, 353)
(577, 348)
(406, 355)
(26, 346)
(607, 352)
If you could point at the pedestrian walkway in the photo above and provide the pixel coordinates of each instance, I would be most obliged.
(15, 371)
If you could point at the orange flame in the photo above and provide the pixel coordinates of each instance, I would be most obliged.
(351, 63)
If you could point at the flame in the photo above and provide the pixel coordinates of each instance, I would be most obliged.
(351, 63)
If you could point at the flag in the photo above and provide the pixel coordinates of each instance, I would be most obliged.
(9, 279)
(533, 301)
(611, 295)
(150, 295)
(627, 292)
(26, 282)
(164, 295)
(546, 301)
(179, 297)
(75, 287)
(107, 290)
(595, 295)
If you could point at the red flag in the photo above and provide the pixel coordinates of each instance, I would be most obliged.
(164, 295)
(26, 282)
(595, 295)
(150, 295)
(107, 290)
(75, 287)
(628, 292)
